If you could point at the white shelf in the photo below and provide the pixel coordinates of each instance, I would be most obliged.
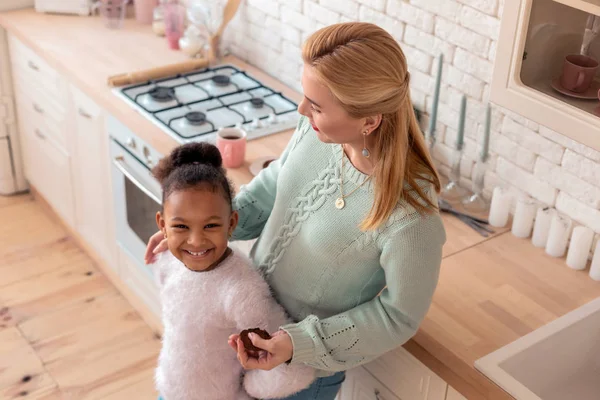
(589, 106)
(589, 6)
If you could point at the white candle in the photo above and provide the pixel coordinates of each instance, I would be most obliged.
(499, 208)
(543, 219)
(595, 267)
(579, 248)
(524, 216)
(558, 236)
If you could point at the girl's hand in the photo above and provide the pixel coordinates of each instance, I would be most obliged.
(278, 350)
(156, 244)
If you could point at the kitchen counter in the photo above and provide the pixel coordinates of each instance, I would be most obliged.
(491, 291)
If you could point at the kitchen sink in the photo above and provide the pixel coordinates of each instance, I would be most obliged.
(559, 361)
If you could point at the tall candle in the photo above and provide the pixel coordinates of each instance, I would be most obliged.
(485, 148)
(499, 208)
(436, 96)
(558, 236)
(595, 267)
(579, 248)
(543, 219)
(460, 138)
(524, 216)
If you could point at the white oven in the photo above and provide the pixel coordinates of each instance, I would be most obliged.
(137, 195)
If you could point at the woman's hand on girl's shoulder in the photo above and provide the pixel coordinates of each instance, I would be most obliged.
(277, 350)
(156, 244)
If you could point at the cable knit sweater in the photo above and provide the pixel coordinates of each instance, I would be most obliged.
(353, 295)
(200, 311)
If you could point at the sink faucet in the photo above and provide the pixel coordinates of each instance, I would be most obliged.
(592, 28)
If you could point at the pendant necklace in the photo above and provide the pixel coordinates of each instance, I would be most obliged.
(340, 202)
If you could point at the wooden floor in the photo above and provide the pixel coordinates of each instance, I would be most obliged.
(65, 332)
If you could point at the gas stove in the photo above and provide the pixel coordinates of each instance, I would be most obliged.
(194, 106)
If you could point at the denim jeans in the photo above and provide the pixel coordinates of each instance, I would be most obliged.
(321, 389)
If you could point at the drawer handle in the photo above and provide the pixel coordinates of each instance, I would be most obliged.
(39, 134)
(33, 66)
(84, 114)
(38, 109)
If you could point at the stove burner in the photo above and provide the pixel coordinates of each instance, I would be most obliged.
(221, 80)
(195, 118)
(257, 102)
(162, 93)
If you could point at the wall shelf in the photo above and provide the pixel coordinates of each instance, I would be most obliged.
(535, 36)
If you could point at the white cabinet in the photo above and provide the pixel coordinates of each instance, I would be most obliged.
(407, 377)
(91, 166)
(535, 37)
(47, 167)
(42, 114)
(142, 285)
(360, 385)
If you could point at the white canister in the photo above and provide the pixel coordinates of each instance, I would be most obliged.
(579, 248)
(524, 215)
(499, 208)
(543, 219)
(558, 236)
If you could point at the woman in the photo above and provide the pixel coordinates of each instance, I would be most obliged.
(349, 235)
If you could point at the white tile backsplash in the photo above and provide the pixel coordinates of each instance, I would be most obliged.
(525, 156)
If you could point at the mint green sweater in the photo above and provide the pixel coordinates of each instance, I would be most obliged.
(355, 295)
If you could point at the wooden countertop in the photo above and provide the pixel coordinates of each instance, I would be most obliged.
(491, 291)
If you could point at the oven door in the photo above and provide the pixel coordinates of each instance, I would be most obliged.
(137, 198)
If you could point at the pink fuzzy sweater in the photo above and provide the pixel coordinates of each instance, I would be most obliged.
(200, 310)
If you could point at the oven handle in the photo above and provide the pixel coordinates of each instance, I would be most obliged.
(120, 164)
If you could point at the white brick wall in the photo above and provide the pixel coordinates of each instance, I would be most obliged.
(525, 181)
(524, 156)
(578, 211)
(462, 37)
(392, 25)
(409, 14)
(378, 5)
(562, 180)
(320, 13)
(479, 22)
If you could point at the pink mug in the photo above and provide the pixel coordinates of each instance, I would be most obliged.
(231, 142)
(578, 72)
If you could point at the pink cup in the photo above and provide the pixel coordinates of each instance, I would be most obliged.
(578, 72)
(231, 142)
(174, 21)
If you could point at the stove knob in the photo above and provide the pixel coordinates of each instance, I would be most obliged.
(272, 120)
(148, 156)
(256, 124)
(131, 143)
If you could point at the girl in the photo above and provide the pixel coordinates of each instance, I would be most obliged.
(349, 235)
(208, 291)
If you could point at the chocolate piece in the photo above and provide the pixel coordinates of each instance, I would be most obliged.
(250, 348)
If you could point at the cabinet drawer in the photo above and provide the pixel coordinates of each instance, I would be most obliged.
(360, 385)
(37, 113)
(48, 168)
(30, 67)
(407, 377)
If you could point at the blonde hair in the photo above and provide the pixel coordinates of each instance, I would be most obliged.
(366, 71)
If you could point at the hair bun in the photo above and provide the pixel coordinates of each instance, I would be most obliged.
(197, 153)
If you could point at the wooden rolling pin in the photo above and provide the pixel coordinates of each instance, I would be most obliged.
(131, 78)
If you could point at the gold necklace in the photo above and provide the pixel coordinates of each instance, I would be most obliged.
(340, 202)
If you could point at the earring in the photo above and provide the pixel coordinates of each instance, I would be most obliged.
(165, 235)
(365, 152)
